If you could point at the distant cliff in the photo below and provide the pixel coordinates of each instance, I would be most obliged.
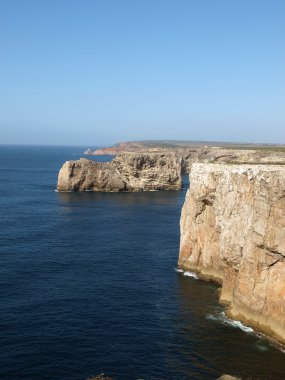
(189, 154)
(233, 231)
(127, 172)
(130, 146)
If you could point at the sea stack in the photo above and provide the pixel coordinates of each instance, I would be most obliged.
(147, 171)
(233, 231)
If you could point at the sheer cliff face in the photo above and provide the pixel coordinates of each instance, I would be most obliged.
(233, 231)
(127, 172)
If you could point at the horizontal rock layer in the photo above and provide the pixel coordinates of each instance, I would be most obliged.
(233, 231)
(192, 153)
(127, 172)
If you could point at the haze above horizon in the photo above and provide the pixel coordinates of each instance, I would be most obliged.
(99, 72)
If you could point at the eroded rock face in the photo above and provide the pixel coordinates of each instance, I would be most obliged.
(192, 153)
(233, 231)
(219, 155)
(127, 172)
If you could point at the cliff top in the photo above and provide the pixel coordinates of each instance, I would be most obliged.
(270, 166)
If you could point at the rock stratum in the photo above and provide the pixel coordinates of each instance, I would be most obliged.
(233, 231)
(192, 153)
(127, 172)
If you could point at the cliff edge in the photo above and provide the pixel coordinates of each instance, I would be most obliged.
(126, 172)
(233, 231)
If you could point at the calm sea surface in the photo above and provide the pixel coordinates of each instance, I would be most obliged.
(88, 285)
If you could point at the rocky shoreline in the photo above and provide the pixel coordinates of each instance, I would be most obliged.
(233, 232)
(232, 221)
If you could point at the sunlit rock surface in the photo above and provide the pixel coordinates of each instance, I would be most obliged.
(127, 172)
(233, 231)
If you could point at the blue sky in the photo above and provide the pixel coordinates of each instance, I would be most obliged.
(96, 72)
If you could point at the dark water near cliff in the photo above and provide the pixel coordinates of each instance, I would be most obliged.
(88, 286)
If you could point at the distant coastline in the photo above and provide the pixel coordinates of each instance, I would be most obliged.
(140, 146)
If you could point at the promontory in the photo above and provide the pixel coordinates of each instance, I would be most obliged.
(232, 221)
(127, 172)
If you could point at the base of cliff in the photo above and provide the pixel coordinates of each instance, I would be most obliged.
(260, 330)
(268, 331)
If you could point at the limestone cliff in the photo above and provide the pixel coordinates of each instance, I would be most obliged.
(233, 231)
(223, 155)
(190, 153)
(127, 172)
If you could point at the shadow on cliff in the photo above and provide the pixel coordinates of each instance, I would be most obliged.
(223, 344)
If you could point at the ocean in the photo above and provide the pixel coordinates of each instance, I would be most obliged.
(89, 285)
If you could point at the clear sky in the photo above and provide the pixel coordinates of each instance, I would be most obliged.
(95, 72)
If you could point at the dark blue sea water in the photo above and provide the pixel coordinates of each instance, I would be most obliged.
(88, 285)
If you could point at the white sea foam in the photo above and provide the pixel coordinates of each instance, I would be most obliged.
(66, 191)
(261, 346)
(187, 273)
(230, 322)
(191, 274)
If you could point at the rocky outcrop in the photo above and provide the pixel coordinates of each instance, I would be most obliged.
(190, 153)
(127, 172)
(233, 231)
